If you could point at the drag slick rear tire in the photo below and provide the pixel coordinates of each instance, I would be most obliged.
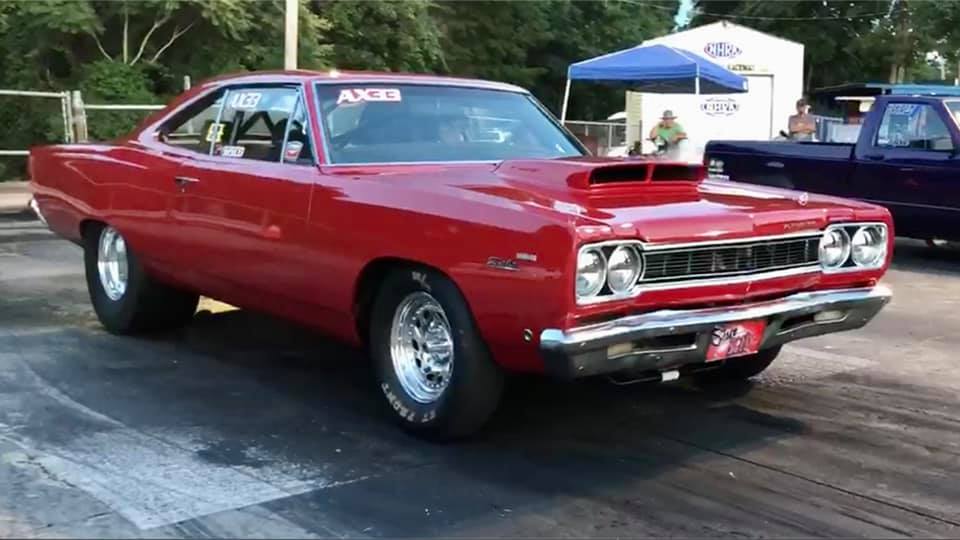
(741, 368)
(432, 366)
(124, 297)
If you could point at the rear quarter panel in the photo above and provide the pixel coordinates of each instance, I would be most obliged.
(109, 183)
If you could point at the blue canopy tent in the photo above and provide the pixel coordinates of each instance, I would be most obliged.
(656, 69)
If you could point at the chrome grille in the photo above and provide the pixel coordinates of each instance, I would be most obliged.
(729, 259)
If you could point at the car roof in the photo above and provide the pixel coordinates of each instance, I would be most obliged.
(363, 77)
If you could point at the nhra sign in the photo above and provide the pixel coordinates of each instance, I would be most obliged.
(721, 49)
(720, 107)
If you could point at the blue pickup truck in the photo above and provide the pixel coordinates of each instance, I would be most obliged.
(907, 158)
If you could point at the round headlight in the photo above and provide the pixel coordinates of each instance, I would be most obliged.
(834, 248)
(623, 269)
(869, 246)
(591, 272)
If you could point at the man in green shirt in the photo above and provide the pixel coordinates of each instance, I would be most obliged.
(667, 133)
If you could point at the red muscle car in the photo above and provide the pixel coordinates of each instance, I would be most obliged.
(458, 232)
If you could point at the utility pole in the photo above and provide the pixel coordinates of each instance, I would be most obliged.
(290, 14)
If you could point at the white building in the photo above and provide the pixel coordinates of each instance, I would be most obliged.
(773, 66)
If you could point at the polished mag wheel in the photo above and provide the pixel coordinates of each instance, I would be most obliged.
(421, 346)
(112, 263)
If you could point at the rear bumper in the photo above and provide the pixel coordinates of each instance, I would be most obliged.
(36, 210)
(669, 339)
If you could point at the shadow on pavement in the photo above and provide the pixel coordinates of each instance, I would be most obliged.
(251, 381)
(916, 256)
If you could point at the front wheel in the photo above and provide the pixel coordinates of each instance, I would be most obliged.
(742, 368)
(124, 297)
(432, 366)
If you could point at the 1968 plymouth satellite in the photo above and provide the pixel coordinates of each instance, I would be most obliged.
(456, 230)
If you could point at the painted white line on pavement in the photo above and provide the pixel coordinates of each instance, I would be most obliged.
(152, 477)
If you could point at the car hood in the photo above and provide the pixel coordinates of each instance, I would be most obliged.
(606, 198)
(659, 208)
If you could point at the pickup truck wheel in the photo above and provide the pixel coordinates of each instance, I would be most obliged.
(742, 368)
(432, 366)
(124, 297)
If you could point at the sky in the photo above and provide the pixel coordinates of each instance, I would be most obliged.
(683, 14)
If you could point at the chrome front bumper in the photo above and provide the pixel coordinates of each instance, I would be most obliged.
(670, 339)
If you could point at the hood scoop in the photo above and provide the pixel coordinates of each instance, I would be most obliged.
(602, 174)
(638, 173)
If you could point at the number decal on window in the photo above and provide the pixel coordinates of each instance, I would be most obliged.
(359, 95)
(232, 151)
(245, 101)
(214, 133)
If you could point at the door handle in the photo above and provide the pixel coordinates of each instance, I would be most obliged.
(184, 181)
(874, 157)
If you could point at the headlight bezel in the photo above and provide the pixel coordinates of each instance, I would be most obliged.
(851, 229)
(637, 269)
(845, 248)
(881, 244)
(603, 274)
(605, 293)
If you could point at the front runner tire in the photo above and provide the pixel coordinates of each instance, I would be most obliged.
(431, 363)
(742, 368)
(125, 299)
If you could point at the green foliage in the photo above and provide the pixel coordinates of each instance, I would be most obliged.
(104, 81)
(382, 36)
(852, 41)
(532, 43)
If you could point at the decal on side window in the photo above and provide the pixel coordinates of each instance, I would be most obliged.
(245, 101)
(360, 95)
(232, 151)
(214, 133)
(292, 152)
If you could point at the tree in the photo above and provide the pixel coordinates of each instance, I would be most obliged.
(531, 44)
(383, 36)
(834, 33)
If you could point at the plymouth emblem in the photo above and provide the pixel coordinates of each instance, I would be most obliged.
(803, 199)
(503, 264)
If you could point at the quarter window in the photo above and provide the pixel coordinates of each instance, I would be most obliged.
(914, 126)
(188, 128)
(296, 147)
(254, 123)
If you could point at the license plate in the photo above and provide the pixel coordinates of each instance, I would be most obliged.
(735, 339)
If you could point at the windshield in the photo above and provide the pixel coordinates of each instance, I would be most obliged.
(389, 123)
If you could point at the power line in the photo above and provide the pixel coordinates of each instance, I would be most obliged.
(874, 15)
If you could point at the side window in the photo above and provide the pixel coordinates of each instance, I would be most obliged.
(914, 126)
(190, 128)
(296, 147)
(254, 122)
